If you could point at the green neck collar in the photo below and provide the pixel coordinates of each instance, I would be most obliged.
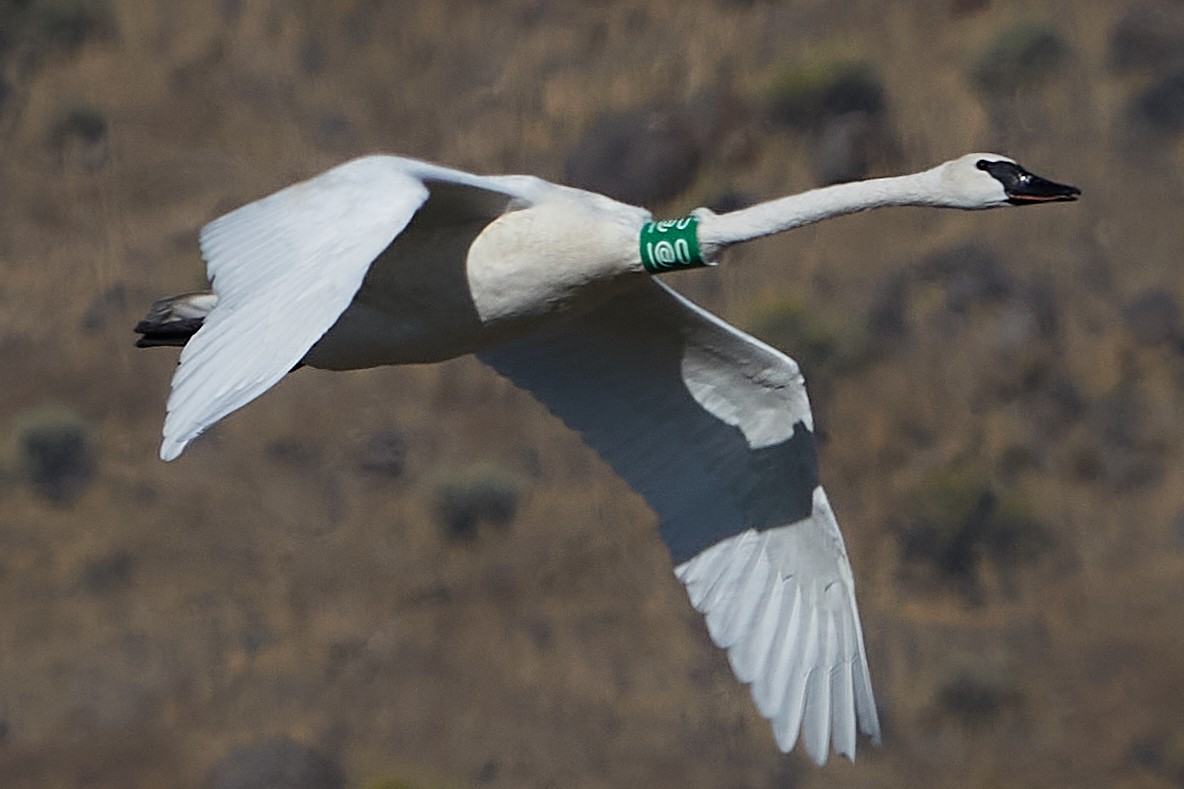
(670, 245)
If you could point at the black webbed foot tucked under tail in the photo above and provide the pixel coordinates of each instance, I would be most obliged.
(174, 320)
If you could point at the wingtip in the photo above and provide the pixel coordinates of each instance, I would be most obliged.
(170, 449)
(819, 757)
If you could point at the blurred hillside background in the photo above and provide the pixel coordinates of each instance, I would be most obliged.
(416, 577)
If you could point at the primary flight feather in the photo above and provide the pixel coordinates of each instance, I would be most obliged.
(387, 260)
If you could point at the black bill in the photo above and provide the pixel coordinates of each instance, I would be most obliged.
(1024, 188)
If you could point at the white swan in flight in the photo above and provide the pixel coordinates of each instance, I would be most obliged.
(387, 260)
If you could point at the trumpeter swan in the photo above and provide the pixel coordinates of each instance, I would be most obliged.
(386, 260)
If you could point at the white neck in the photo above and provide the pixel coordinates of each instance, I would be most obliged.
(776, 216)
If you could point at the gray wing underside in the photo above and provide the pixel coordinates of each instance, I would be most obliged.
(713, 429)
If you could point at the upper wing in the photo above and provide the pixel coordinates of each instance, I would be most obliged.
(714, 429)
(284, 268)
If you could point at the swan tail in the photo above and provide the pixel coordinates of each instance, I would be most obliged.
(172, 321)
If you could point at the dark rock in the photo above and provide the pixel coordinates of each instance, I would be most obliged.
(640, 157)
(276, 764)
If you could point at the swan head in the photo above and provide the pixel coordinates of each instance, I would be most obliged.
(990, 180)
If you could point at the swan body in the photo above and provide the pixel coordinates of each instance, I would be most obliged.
(387, 260)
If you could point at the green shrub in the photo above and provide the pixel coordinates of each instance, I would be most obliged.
(1019, 57)
(1163, 753)
(382, 454)
(80, 135)
(800, 332)
(35, 27)
(480, 494)
(108, 573)
(978, 698)
(957, 519)
(804, 97)
(67, 24)
(52, 450)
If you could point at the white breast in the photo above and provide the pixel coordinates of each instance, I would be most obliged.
(534, 262)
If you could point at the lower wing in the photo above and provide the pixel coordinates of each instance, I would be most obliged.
(714, 429)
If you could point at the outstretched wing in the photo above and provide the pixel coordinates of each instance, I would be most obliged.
(714, 429)
(284, 268)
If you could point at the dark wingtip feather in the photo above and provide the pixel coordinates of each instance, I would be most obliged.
(173, 321)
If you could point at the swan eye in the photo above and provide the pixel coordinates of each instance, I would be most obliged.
(982, 164)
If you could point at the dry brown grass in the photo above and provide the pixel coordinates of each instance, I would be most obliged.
(267, 598)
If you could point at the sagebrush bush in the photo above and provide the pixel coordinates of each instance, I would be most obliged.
(480, 494)
(1163, 753)
(804, 97)
(79, 134)
(958, 519)
(802, 333)
(1019, 57)
(1160, 107)
(383, 454)
(37, 27)
(51, 449)
(978, 698)
(67, 24)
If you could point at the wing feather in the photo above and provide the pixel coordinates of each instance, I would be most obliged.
(802, 655)
(714, 429)
(285, 268)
